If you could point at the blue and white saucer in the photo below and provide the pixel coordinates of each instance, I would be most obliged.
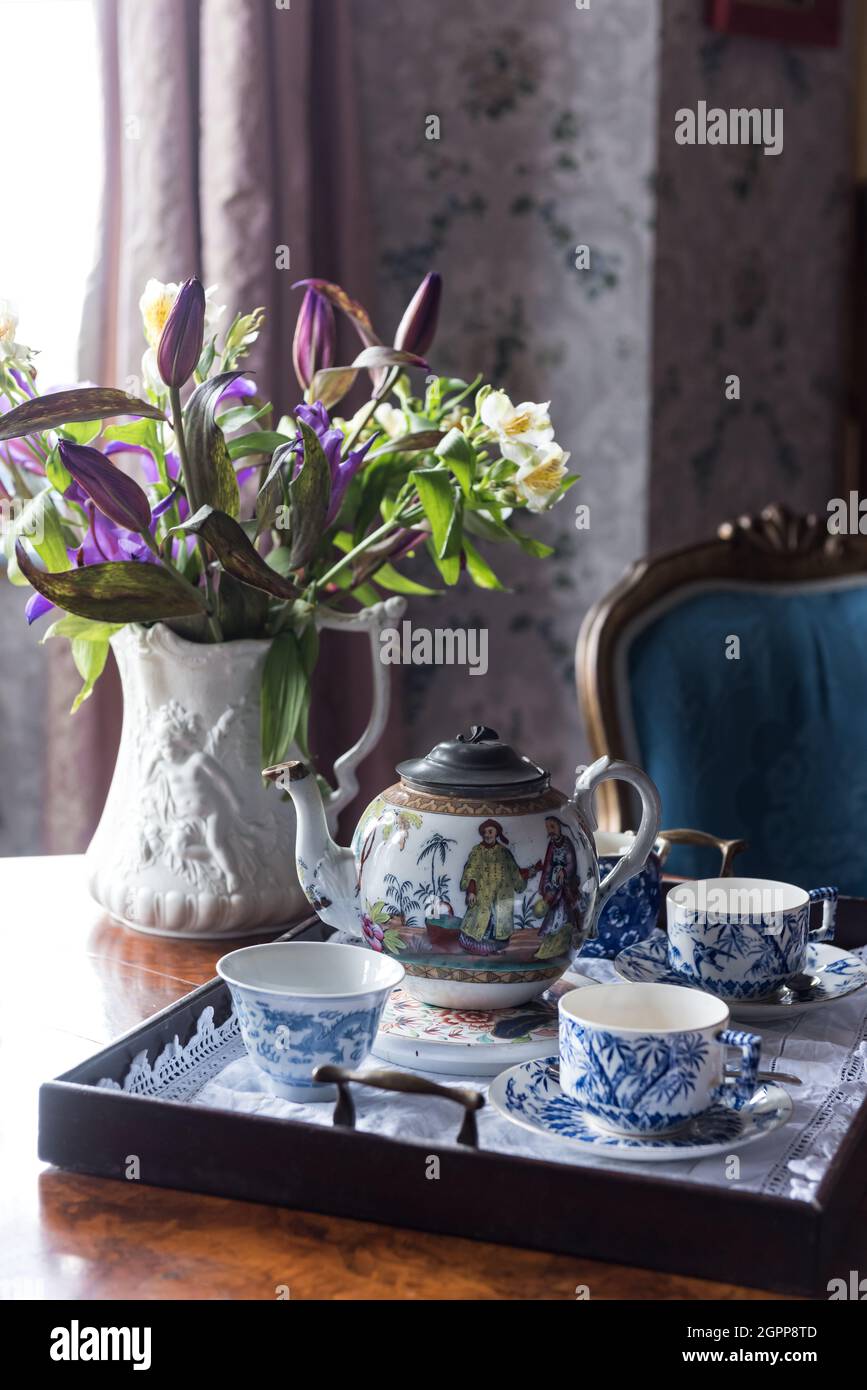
(835, 973)
(529, 1095)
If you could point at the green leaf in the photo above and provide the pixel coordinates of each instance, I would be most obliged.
(530, 546)
(122, 591)
(136, 432)
(480, 571)
(272, 493)
(460, 456)
(437, 497)
(39, 523)
(211, 481)
(278, 560)
(243, 610)
(491, 529)
(58, 475)
(379, 476)
(443, 508)
(234, 417)
(309, 495)
(90, 657)
(68, 407)
(81, 629)
(419, 442)
(331, 384)
(284, 682)
(83, 432)
(387, 577)
(235, 551)
(256, 442)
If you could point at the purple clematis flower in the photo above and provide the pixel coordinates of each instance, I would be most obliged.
(331, 439)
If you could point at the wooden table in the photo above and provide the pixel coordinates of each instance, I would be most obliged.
(71, 982)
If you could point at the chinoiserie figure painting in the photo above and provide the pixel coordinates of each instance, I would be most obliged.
(559, 891)
(490, 880)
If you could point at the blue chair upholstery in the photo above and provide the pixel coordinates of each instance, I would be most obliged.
(770, 747)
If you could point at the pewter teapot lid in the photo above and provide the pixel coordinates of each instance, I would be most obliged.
(477, 764)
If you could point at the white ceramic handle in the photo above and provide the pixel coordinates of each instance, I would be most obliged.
(589, 778)
(372, 621)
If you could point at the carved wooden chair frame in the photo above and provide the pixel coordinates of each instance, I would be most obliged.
(775, 547)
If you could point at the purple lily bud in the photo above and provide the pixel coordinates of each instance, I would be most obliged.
(117, 496)
(419, 324)
(180, 345)
(314, 345)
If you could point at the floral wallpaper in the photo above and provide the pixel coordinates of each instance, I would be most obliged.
(546, 142)
(750, 278)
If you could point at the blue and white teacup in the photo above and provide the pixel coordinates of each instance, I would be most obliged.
(743, 938)
(646, 1059)
(307, 1004)
(630, 914)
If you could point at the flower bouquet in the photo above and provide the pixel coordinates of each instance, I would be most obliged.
(187, 507)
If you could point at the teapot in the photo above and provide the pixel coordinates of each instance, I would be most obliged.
(472, 870)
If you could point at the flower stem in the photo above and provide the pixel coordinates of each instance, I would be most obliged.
(379, 534)
(376, 399)
(194, 503)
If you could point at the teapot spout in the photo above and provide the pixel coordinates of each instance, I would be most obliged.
(326, 870)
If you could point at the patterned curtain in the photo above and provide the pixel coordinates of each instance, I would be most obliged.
(230, 132)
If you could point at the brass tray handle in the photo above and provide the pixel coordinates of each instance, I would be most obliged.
(344, 1109)
(727, 848)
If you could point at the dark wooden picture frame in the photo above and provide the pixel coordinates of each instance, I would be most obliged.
(787, 21)
(633, 1218)
(775, 547)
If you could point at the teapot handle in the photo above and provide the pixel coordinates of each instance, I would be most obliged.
(372, 621)
(588, 779)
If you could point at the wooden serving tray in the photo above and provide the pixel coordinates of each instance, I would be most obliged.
(639, 1219)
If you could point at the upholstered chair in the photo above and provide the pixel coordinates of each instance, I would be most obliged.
(735, 673)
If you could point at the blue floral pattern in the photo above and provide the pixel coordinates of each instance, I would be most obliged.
(631, 914)
(832, 975)
(531, 1096)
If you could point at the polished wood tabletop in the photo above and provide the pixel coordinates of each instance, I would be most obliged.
(72, 981)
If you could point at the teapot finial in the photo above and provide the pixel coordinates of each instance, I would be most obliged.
(479, 733)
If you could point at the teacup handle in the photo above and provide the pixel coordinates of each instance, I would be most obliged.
(727, 848)
(828, 896)
(738, 1092)
(588, 779)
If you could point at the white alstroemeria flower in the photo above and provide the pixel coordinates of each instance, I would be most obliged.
(540, 475)
(518, 428)
(10, 351)
(390, 419)
(155, 306)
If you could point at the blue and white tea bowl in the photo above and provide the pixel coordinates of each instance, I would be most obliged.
(647, 1059)
(307, 1004)
(743, 938)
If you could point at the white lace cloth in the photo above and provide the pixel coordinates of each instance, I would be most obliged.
(826, 1048)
